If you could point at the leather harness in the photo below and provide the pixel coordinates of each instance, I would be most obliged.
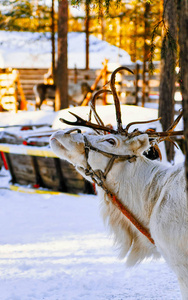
(99, 177)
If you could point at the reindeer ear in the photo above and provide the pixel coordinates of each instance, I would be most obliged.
(140, 143)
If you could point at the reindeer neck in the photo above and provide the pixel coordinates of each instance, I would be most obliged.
(118, 181)
(123, 207)
(133, 185)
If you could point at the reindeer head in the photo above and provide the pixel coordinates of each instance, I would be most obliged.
(94, 150)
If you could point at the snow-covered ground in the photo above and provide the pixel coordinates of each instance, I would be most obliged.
(55, 247)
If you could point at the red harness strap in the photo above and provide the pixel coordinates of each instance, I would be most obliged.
(130, 216)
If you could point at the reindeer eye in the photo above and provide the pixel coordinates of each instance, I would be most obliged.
(111, 141)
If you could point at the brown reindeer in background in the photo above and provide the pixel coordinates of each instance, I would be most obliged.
(76, 93)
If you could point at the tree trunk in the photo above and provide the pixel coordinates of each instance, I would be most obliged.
(183, 43)
(53, 41)
(167, 79)
(61, 100)
(87, 9)
(146, 52)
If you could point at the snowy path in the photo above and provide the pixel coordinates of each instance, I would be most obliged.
(56, 248)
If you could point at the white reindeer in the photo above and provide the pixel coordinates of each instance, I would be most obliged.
(154, 193)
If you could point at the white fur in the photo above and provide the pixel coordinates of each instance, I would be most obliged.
(154, 193)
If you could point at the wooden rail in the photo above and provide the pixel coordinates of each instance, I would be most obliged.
(129, 86)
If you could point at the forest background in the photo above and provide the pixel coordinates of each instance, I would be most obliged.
(148, 30)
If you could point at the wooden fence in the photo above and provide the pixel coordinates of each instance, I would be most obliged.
(129, 86)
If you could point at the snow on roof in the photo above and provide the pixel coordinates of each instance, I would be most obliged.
(33, 50)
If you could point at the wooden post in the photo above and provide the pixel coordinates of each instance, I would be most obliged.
(143, 83)
(53, 41)
(136, 83)
(15, 96)
(75, 75)
(10, 167)
(145, 54)
(87, 34)
(105, 80)
(23, 104)
(93, 87)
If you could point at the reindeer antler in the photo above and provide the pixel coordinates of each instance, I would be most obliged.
(100, 125)
(116, 99)
(140, 122)
(169, 132)
(81, 122)
(161, 136)
(92, 106)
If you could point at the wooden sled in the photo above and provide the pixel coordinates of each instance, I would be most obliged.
(38, 167)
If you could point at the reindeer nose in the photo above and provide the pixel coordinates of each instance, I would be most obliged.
(56, 135)
(61, 134)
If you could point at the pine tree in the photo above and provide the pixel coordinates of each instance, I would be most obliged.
(61, 100)
(183, 38)
(23, 15)
(168, 63)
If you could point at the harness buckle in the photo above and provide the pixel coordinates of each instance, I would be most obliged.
(132, 159)
(88, 172)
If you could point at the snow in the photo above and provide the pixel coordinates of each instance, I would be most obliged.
(27, 117)
(55, 247)
(107, 113)
(33, 50)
